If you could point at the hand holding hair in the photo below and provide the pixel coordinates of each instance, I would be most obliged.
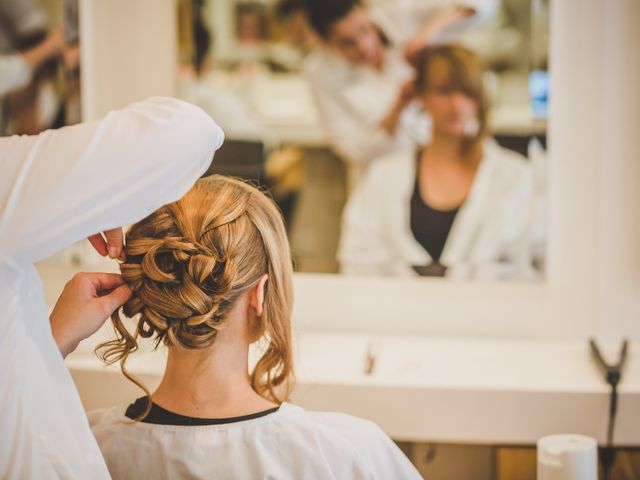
(49, 48)
(86, 302)
(110, 242)
(391, 120)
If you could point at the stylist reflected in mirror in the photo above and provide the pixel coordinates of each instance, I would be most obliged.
(361, 77)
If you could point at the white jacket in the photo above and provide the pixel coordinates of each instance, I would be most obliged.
(353, 100)
(290, 444)
(57, 188)
(489, 238)
(14, 73)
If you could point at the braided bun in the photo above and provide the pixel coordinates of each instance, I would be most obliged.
(180, 290)
(188, 262)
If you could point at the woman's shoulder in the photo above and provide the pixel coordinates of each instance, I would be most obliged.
(332, 424)
(359, 441)
(506, 165)
(388, 179)
(106, 419)
(393, 167)
(504, 157)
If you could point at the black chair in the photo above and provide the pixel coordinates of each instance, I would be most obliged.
(237, 158)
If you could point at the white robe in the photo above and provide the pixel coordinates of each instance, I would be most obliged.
(288, 444)
(56, 188)
(490, 238)
(14, 73)
(352, 101)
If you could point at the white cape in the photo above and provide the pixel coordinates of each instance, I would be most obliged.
(288, 444)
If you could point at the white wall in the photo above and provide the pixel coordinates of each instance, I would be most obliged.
(595, 174)
(619, 171)
(128, 52)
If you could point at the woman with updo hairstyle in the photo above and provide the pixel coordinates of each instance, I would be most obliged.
(460, 206)
(211, 274)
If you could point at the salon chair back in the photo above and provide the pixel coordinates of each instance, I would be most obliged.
(239, 158)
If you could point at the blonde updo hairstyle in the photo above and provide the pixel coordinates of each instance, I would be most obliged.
(188, 262)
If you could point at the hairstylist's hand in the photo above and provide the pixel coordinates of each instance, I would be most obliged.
(71, 57)
(87, 300)
(50, 47)
(441, 20)
(406, 93)
(110, 242)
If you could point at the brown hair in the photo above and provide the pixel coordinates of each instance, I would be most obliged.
(464, 73)
(189, 261)
(324, 14)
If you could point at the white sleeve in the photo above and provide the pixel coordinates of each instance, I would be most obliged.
(422, 9)
(14, 73)
(363, 249)
(402, 19)
(357, 139)
(63, 185)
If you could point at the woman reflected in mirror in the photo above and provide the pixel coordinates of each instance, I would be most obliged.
(460, 205)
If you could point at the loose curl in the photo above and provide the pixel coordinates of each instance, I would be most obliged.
(188, 262)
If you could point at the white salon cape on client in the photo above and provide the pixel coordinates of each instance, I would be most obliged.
(56, 188)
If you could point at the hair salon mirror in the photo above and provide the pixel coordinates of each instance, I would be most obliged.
(303, 92)
(303, 95)
(41, 40)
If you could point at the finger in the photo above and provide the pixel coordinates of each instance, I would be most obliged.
(115, 241)
(104, 281)
(98, 243)
(115, 299)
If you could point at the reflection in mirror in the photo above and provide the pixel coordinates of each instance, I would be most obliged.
(39, 65)
(399, 138)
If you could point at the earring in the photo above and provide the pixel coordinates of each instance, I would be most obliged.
(471, 127)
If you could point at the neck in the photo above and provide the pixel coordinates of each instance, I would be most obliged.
(444, 148)
(209, 383)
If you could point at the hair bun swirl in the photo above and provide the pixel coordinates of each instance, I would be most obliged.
(180, 289)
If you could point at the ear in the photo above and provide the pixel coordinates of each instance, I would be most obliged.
(256, 295)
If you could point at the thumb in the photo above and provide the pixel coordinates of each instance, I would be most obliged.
(115, 299)
(115, 242)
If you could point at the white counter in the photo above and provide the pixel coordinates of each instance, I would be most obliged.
(458, 390)
(468, 390)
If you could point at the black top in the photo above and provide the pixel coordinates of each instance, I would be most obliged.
(429, 226)
(160, 416)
